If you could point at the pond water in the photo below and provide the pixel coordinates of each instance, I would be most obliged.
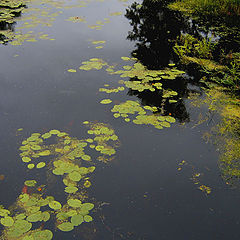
(161, 183)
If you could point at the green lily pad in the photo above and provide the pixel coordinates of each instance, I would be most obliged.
(19, 228)
(35, 217)
(76, 220)
(55, 205)
(7, 221)
(30, 183)
(75, 176)
(43, 235)
(41, 165)
(72, 70)
(106, 101)
(45, 216)
(87, 206)
(86, 158)
(70, 189)
(4, 212)
(26, 159)
(31, 166)
(54, 132)
(44, 153)
(46, 135)
(74, 203)
(87, 218)
(66, 226)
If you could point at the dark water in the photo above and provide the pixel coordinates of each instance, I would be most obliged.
(147, 197)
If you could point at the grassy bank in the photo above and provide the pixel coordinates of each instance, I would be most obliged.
(211, 7)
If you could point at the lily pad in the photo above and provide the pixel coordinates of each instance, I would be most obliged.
(76, 220)
(74, 203)
(106, 101)
(7, 221)
(71, 189)
(66, 226)
(41, 165)
(55, 205)
(30, 183)
(43, 235)
(75, 176)
(88, 218)
(31, 166)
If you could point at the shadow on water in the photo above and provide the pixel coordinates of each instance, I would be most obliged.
(155, 29)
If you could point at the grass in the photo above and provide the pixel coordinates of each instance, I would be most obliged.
(211, 7)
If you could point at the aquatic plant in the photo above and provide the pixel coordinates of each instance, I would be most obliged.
(210, 7)
(68, 158)
(128, 108)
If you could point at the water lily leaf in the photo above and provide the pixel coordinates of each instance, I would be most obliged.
(7, 221)
(45, 216)
(35, 147)
(87, 206)
(88, 218)
(86, 158)
(46, 135)
(43, 235)
(66, 226)
(26, 159)
(75, 203)
(19, 228)
(75, 176)
(72, 70)
(4, 212)
(55, 205)
(28, 238)
(62, 216)
(76, 220)
(106, 101)
(54, 132)
(71, 189)
(31, 166)
(41, 165)
(44, 153)
(30, 183)
(36, 217)
(20, 216)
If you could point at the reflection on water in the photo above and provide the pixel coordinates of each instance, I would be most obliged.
(157, 177)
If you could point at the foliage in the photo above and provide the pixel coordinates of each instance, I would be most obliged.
(210, 7)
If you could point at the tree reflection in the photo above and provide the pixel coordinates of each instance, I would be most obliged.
(155, 29)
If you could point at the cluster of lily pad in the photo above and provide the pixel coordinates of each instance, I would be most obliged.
(32, 206)
(31, 17)
(111, 90)
(143, 117)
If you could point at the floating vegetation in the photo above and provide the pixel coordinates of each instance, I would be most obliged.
(115, 14)
(72, 70)
(99, 24)
(226, 133)
(93, 63)
(106, 101)
(111, 90)
(98, 43)
(146, 115)
(76, 19)
(140, 72)
(65, 158)
(30, 17)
